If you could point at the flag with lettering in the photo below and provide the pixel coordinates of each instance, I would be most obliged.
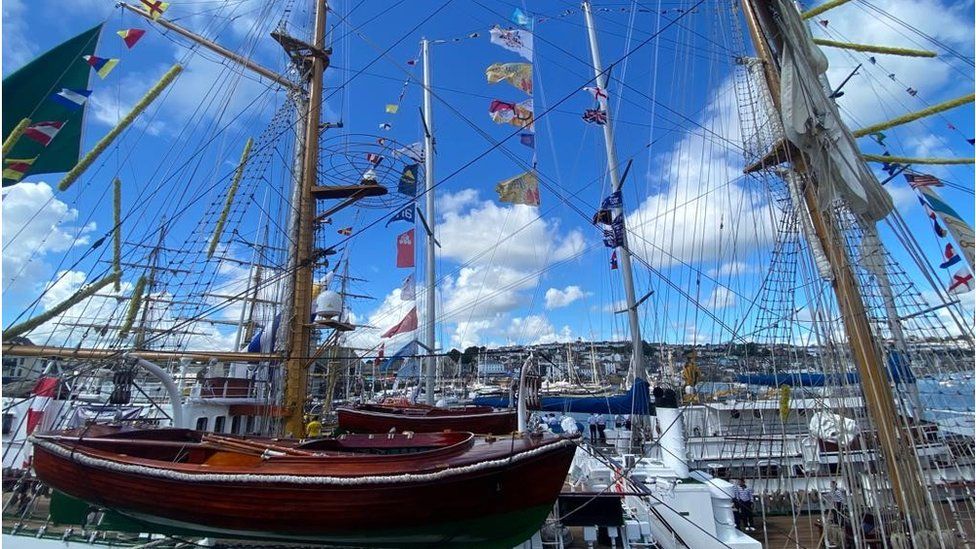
(406, 213)
(404, 250)
(614, 200)
(614, 236)
(408, 324)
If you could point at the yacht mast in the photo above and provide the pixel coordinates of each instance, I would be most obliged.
(430, 362)
(623, 251)
(299, 331)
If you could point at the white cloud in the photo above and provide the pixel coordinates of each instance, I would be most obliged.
(721, 298)
(17, 48)
(732, 269)
(556, 298)
(36, 223)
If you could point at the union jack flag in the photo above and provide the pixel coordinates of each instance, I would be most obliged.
(595, 116)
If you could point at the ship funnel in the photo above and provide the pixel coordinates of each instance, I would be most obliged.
(671, 431)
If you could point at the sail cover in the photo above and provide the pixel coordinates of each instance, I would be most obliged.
(812, 122)
(32, 93)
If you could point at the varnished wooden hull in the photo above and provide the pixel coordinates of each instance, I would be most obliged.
(365, 420)
(485, 498)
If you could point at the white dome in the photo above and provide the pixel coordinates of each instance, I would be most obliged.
(328, 304)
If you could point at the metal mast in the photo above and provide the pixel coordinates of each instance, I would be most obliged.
(300, 332)
(623, 251)
(430, 312)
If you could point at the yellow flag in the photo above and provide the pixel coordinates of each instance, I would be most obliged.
(516, 74)
(392, 108)
(521, 189)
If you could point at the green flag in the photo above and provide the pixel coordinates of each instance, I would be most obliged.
(27, 94)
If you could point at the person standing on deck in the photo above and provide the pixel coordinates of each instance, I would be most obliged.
(593, 429)
(601, 428)
(838, 497)
(742, 500)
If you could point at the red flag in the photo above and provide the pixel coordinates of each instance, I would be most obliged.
(405, 249)
(131, 36)
(408, 324)
(43, 132)
(44, 391)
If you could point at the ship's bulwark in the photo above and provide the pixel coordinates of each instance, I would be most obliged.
(491, 494)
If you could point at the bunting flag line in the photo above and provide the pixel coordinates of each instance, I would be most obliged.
(154, 7)
(516, 114)
(405, 214)
(961, 282)
(408, 324)
(961, 231)
(613, 261)
(43, 132)
(516, 74)
(527, 139)
(614, 236)
(404, 255)
(72, 99)
(912, 92)
(345, 231)
(917, 180)
(597, 92)
(516, 40)
(614, 200)
(408, 291)
(595, 116)
(130, 36)
(951, 257)
(101, 65)
(15, 168)
(408, 180)
(392, 108)
(939, 231)
(521, 18)
(521, 189)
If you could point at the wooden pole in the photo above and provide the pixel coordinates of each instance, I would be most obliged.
(300, 333)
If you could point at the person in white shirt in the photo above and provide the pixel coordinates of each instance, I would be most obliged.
(838, 497)
(742, 501)
(592, 421)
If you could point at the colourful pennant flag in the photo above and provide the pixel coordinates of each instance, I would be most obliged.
(879, 137)
(408, 180)
(406, 213)
(521, 189)
(912, 92)
(961, 282)
(408, 324)
(595, 116)
(101, 65)
(516, 74)
(917, 180)
(413, 151)
(374, 158)
(43, 132)
(404, 257)
(392, 108)
(154, 7)
(613, 260)
(15, 169)
(130, 36)
(516, 40)
(597, 93)
(72, 99)
(951, 257)
(961, 231)
(408, 291)
(345, 231)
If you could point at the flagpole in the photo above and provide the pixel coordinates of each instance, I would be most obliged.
(623, 251)
(429, 317)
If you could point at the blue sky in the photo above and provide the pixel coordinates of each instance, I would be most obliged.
(510, 274)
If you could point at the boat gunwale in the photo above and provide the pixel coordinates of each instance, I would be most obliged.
(388, 415)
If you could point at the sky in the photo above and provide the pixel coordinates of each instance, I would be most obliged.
(507, 274)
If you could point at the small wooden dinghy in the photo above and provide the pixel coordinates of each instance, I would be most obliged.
(420, 418)
(362, 490)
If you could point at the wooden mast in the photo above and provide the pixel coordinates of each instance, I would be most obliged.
(300, 332)
(904, 476)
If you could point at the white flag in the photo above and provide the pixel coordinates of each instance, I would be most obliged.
(408, 292)
(517, 40)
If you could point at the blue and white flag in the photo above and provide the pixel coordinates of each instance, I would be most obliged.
(614, 236)
(264, 341)
(408, 292)
(951, 257)
(615, 200)
(406, 352)
(521, 18)
(405, 214)
(72, 99)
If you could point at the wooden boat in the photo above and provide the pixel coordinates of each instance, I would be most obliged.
(427, 489)
(420, 418)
